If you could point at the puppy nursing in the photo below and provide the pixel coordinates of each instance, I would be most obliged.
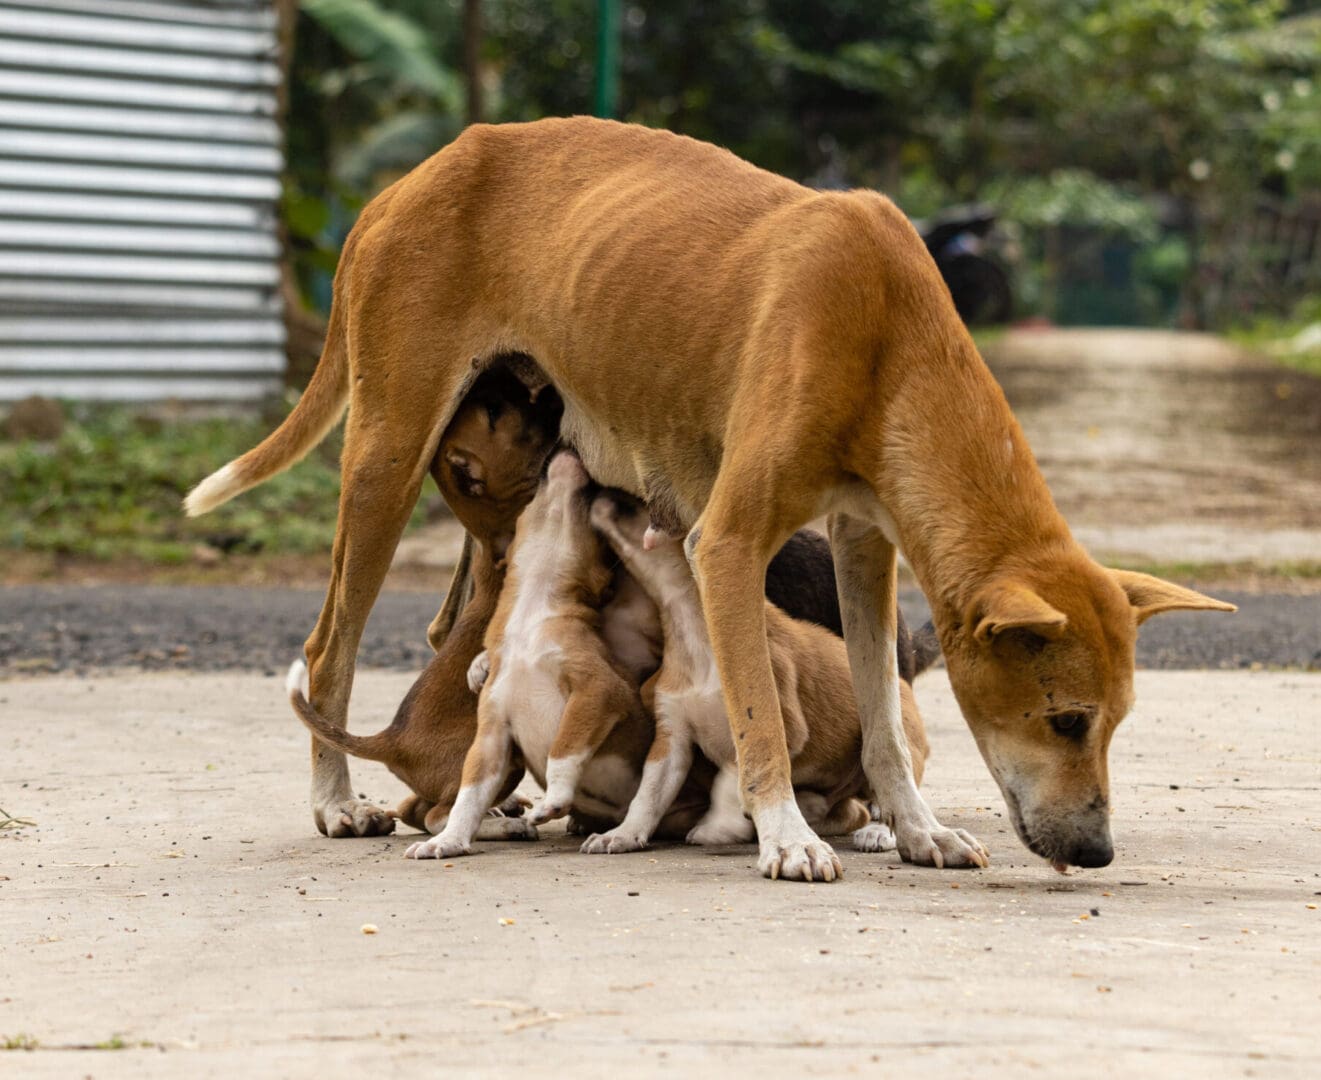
(816, 695)
(556, 700)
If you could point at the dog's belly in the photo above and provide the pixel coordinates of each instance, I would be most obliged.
(529, 694)
(605, 458)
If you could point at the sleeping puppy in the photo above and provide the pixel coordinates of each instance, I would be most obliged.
(555, 700)
(816, 696)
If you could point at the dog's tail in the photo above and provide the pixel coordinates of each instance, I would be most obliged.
(372, 747)
(926, 647)
(317, 411)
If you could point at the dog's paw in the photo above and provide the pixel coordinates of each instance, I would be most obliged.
(506, 828)
(548, 809)
(354, 817)
(709, 833)
(438, 847)
(614, 842)
(478, 671)
(935, 845)
(875, 836)
(815, 861)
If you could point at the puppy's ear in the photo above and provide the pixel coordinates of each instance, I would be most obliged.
(1007, 606)
(467, 471)
(1150, 596)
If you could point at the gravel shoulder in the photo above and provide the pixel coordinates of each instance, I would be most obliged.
(173, 900)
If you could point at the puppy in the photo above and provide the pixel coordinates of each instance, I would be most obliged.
(556, 700)
(815, 691)
(486, 467)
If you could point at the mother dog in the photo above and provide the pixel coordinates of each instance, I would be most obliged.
(744, 354)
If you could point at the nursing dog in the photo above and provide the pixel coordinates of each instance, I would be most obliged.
(745, 355)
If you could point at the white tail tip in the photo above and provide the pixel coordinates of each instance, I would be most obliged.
(221, 486)
(296, 681)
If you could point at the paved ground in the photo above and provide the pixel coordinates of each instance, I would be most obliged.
(172, 897)
(172, 911)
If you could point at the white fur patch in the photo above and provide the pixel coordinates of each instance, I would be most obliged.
(221, 486)
(296, 681)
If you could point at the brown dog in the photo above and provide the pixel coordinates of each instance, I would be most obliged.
(486, 467)
(745, 355)
(816, 696)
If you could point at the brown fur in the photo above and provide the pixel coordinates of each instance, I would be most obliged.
(809, 360)
(486, 467)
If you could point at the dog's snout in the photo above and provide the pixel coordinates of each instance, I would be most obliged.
(1098, 851)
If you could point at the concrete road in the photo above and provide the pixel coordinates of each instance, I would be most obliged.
(173, 913)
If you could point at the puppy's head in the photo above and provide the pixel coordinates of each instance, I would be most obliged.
(1042, 665)
(492, 453)
(555, 532)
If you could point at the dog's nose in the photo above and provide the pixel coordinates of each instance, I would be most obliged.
(1092, 853)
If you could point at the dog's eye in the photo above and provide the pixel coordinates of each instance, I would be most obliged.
(1072, 725)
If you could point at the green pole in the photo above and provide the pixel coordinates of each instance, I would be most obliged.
(607, 57)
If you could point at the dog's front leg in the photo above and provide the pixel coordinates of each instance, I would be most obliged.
(865, 577)
(730, 568)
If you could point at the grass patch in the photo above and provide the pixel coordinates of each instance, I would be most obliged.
(18, 1042)
(1308, 570)
(111, 486)
(1277, 337)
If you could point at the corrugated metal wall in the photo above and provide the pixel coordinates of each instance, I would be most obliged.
(139, 173)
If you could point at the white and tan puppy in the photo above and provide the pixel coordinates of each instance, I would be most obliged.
(811, 669)
(556, 700)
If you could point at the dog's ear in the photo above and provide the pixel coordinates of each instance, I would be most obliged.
(1150, 596)
(1007, 606)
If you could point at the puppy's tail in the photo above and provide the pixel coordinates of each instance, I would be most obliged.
(926, 647)
(317, 411)
(372, 747)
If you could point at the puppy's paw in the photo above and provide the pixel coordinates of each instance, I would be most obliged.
(548, 809)
(478, 671)
(935, 845)
(506, 828)
(875, 836)
(709, 833)
(814, 861)
(438, 847)
(354, 817)
(614, 842)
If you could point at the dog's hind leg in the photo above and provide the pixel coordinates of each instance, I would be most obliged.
(390, 438)
(865, 578)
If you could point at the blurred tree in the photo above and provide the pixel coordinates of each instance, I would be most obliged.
(1086, 107)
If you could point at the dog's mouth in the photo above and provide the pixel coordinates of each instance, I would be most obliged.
(1057, 854)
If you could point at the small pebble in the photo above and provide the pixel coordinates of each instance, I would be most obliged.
(368, 928)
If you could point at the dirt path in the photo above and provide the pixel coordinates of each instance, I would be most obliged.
(1170, 447)
(173, 900)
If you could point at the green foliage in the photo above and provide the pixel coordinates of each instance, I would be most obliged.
(1074, 114)
(1295, 340)
(112, 486)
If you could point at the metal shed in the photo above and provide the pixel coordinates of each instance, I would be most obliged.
(140, 164)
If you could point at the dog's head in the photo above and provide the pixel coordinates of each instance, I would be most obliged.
(1042, 665)
(492, 453)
